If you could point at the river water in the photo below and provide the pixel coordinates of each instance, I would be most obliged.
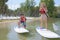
(7, 31)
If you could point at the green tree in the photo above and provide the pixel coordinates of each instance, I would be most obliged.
(3, 6)
(58, 11)
(32, 7)
(25, 7)
(28, 7)
(36, 11)
(17, 12)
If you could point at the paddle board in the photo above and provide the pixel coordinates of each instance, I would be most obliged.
(47, 33)
(20, 30)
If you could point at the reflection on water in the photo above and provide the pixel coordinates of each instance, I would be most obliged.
(3, 31)
(7, 32)
(57, 31)
(57, 26)
(12, 35)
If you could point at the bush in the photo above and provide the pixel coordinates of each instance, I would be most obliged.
(58, 16)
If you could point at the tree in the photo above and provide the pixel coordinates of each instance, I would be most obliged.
(36, 11)
(58, 11)
(28, 7)
(25, 8)
(32, 8)
(3, 6)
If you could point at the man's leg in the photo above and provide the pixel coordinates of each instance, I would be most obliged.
(24, 23)
(18, 24)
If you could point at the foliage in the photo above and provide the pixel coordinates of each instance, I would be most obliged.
(3, 6)
(28, 7)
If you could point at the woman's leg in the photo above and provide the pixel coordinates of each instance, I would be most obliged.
(45, 22)
(41, 22)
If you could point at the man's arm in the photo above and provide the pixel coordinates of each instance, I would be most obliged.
(19, 21)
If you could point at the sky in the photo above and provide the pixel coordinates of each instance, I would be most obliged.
(14, 4)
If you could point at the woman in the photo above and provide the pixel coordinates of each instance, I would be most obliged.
(43, 12)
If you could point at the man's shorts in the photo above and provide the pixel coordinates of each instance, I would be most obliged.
(24, 23)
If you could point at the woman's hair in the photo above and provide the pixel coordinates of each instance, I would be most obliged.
(42, 4)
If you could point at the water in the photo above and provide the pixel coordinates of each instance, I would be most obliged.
(7, 32)
(57, 29)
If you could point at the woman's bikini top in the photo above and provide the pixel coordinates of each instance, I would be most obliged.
(42, 11)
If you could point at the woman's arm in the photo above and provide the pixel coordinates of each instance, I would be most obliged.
(47, 15)
(46, 11)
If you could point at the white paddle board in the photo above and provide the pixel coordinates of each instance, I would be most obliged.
(20, 30)
(47, 33)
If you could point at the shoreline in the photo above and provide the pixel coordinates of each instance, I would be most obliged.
(8, 21)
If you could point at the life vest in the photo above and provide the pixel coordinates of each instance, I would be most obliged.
(42, 11)
(23, 19)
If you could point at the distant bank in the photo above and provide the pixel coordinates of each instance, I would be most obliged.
(14, 18)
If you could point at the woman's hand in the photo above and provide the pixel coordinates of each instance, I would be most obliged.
(47, 15)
